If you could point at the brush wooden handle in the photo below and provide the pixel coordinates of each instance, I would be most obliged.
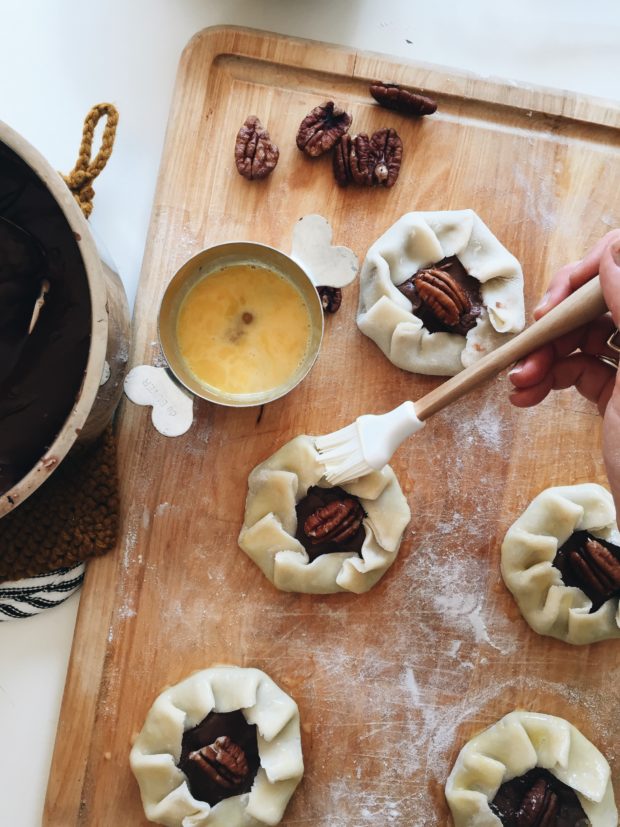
(582, 306)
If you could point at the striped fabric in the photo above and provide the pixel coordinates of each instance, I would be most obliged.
(28, 597)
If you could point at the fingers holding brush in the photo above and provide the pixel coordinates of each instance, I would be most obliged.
(574, 359)
(584, 357)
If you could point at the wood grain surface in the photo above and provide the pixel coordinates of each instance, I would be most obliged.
(390, 684)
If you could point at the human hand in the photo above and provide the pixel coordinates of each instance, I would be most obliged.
(573, 359)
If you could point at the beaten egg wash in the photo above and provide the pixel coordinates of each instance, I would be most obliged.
(243, 329)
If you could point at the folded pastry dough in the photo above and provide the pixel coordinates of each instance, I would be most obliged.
(549, 606)
(156, 751)
(518, 742)
(267, 536)
(421, 239)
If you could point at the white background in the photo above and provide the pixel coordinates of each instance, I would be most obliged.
(59, 57)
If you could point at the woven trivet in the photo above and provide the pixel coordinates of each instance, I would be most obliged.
(72, 517)
(32, 595)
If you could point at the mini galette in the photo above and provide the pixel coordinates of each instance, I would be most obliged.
(561, 561)
(438, 291)
(531, 770)
(307, 536)
(221, 749)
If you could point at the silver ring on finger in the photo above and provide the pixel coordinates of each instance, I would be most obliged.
(608, 360)
(613, 342)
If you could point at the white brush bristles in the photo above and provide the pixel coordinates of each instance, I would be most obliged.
(367, 444)
(341, 454)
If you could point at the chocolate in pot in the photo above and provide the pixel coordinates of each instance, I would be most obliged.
(43, 371)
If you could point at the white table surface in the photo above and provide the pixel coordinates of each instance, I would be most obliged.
(58, 58)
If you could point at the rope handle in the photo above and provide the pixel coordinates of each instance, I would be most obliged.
(80, 179)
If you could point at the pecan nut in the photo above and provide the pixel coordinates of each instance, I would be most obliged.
(392, 96)
(223, 761)
(341, 160)
(361, 160)
(539, 807)
(335, 522)
(388, 154)
(256, 155)
(331, 298)
(597, 568)
(369, 161)
(443, 295)
(321, 128)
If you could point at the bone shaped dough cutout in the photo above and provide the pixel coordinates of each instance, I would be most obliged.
(173, 408)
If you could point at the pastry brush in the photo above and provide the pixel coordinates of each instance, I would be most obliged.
(368, 443)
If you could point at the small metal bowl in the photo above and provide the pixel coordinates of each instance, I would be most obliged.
(198, 268)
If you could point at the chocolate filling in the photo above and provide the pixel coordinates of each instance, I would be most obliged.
(217, 724)
(40, 373)
(538, 799)
(470, 286)
(318, 498)
(592, 564)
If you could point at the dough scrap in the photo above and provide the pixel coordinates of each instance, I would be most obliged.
(516, 743)
(163, 786)
(267, 535)
(417, 240)
(550, 607)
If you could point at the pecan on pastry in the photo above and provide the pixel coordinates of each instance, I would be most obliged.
(220, 757)
(444, 296)
(328, 520)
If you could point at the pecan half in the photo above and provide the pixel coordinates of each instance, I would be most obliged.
(388, 153)
(223, 761)
(321, 128)
(336, 521)
(341, 160)
(597, 568)
(392, 96)
(369, 161)
(443, 295)
(361, 160)
(256, 155)
(331, 298)
(537, 799)
(538, 808)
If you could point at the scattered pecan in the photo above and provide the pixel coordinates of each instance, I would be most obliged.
(388, 153)
(331, 298)
(341, 160)
(443, 295)
(369, 161)
(392, 96)
(256, 155)
(361, 160)
(336, 521)
(597, 568)
(321, 128)
(223, 762)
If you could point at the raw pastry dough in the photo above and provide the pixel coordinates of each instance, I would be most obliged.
(165, 794)
(518, 742)
(267, 536)
(550, 607)
(420, 239)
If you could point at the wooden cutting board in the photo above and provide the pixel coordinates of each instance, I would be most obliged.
(390, 684)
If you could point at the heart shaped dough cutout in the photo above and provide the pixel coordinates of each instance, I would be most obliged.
(326, 265)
